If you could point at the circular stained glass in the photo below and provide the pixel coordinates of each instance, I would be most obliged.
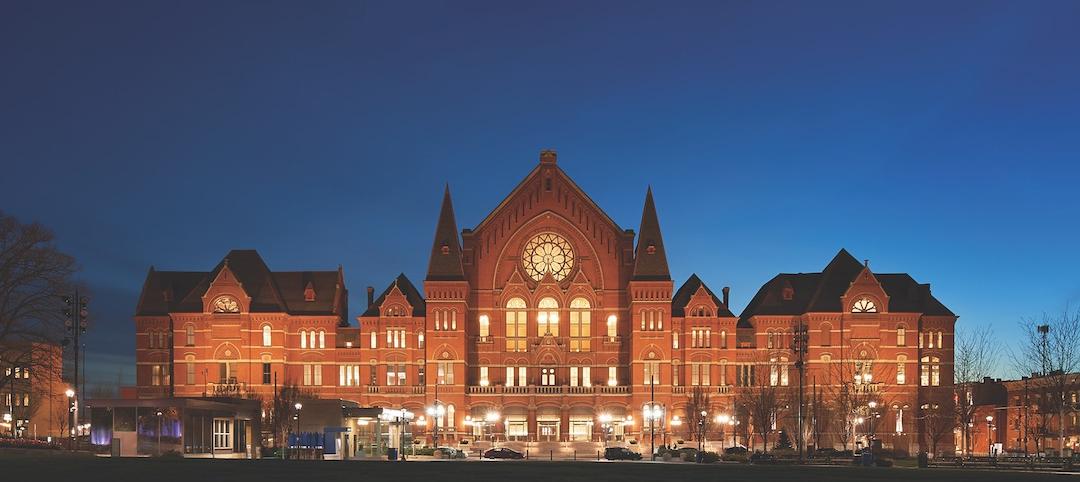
(547, 253)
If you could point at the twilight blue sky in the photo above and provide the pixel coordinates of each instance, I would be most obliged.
(936, 138)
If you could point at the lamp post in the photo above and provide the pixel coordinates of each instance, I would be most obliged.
(701, 433)
(605, 426)
(873, 414)
(298, 406)
(653, 412)
(71, 416)
(435, 414)
(491, 418)
(989, 435)
(75, 320)
(159, 433)
(722, 420)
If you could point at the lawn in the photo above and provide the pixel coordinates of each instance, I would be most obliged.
(157, 470)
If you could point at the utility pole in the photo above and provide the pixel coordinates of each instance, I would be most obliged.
(75, 317)
(799, 345)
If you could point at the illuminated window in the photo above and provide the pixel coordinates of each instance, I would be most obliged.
(420, 340)
(723, 339)
(547, 376)
(612, 327)
(930, 371)
(612, 376)
(580, 325)
(901, 362)
(547, 318)
(322, 339)
(222, 433)
(901, 336)
(303, 339)
(547, 253)
(516, 325)
(374, 339)
(266, 338)
(484, 376)
(485, 327)
(864, 305)
(311, 339)
(651, 372)
(189, 365)
(445, 374)
(509, 376)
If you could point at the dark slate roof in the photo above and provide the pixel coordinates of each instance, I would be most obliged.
(269, 291)
(821, 292)
(687, 290)
(412, 295)
(650, 267)
(446, 266)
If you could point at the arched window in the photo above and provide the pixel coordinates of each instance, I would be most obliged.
(723, 339)
(322, 339)
(826, 334)
(547, 319)
(267, 339)
(303, 339)
(189, 367)
(901, 371)
(189, 332)
(612, 327)
(450, 416)
(864, 305)
(768, 339)
(901, 336)
(516, 325)
(659, 319)
(311, 338)
(580, 324)
(642, 320)
(930, 371)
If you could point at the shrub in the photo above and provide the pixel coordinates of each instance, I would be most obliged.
(735, 450)
(709, 457)
(736, 457)
(28, 443)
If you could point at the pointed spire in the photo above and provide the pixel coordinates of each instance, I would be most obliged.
(445, 262)
(650, 258)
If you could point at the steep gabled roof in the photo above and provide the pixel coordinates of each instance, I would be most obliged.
(650, 258)
(835, 280)
(182, 291)
(822, 292)
(412, 295)
(445, 264)
(687, 290)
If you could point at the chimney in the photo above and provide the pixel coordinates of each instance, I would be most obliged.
(727, 291)
(370, 296)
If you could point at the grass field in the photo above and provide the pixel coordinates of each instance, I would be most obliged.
(200, 470)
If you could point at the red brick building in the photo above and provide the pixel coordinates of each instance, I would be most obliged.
(549, 322)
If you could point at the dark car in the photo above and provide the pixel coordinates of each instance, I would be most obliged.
(503, 453)
(762, 458)
(621, 453)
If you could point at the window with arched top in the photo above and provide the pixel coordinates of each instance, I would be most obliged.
(547, 318)
(267, 339)
(311, 338)
(189, 367)
(864, 305)
(826, 334)
(303, 338)
(901, 370)
(930, 371)
(322, 339)
(189, 332)
(580, 324)
(901, 335)
(516, 325)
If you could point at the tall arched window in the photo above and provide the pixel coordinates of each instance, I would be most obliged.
(303, 339)
(580, 324)
(547, 319)
(267, 339)
(449, 416)
(930, 371)
(189, 332)
(516, 325)
(189, 367)
(311, 338)
(901, 370)
(322, 339)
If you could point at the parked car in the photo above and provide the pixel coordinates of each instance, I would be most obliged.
(503, 453)
(621, 453)
(449, 453)
(762, 458)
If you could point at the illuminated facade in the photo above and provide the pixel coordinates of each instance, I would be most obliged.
(550, 323)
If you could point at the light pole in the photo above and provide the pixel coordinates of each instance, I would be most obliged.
(159, 433)
(71, 415)
(722, 420)
(653, 412)
(605, 425)
(491, 418)
(701, 433)
(873, 414)
(298, 406)
(989, 435)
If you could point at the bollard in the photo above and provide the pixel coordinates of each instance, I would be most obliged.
(551, 455)
(597, 455)
(575, 455)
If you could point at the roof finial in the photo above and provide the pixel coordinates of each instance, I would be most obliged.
(548, 156)
(866, 263)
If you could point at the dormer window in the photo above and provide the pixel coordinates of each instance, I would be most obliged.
(864, 305)
(309, 292)
(788, 293)
(651, 249)
(445, 249)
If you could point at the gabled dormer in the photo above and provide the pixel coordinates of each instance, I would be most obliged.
(226, 294)
(865, 295)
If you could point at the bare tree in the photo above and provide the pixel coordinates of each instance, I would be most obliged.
(1050, 350)
(282, 408)
(697, 424)
(762, 399)
(939, 421)
(974, 358)
(34, 275)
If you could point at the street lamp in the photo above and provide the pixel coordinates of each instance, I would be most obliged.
(159, 433)
(491, 418)
(605, 425)
(653, 412)
(989, 435)
(71, 415)
(731, 424)
(298, 406)
(435, 413)
(722, 420)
